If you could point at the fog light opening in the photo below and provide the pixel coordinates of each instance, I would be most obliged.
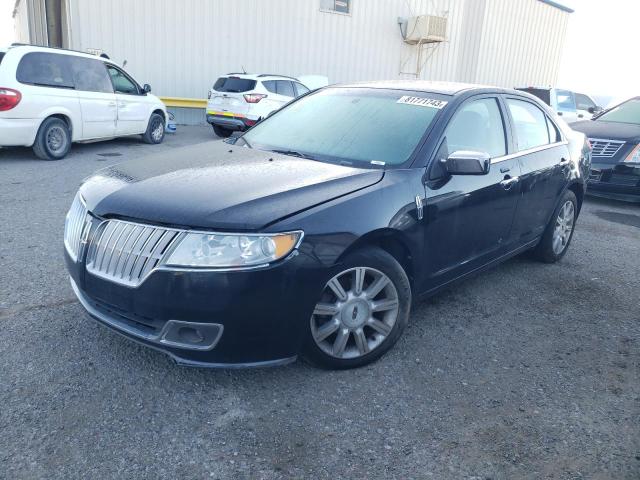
(190, 335)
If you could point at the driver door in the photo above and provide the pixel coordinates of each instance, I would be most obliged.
(469, 217)
(133, 112)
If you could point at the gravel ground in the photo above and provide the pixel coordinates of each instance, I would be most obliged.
(527, 371)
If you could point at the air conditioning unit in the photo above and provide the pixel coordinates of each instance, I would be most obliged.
(426, 29)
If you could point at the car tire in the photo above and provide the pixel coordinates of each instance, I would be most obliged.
(559, 232)
(221, 131)
(53, 140)
(155, 130)
(369, 333)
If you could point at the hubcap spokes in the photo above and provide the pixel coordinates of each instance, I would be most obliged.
(55, 139)
(563, 228)
(156, 133)
(356, 312)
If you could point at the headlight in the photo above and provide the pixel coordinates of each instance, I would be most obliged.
(634, 156)
(231, 251)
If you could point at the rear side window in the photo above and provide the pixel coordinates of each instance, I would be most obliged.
(532, 129)
(90, 75)
(46, 69)
(565, 100)
(476, 127)
(1, 56)
(234, 85)
(270, 85)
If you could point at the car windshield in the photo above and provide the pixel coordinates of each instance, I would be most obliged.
(350, 125)
(627, 112)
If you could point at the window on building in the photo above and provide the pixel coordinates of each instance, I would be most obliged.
(530, 123)
(90, 75)
(45, 69)
(338, 6)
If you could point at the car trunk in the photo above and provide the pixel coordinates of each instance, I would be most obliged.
(227, 96)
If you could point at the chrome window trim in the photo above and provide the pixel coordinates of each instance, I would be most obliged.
(528, 151)
(181, 233)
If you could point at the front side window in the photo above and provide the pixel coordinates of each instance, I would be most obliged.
(477, 127)
(122, 83)
(285, 87)
(565, 100)
(354, 126)
(583, 102)
(90, 75)
(532, 129)
(627, 112)
(337, 6)
(46, 69)
(300, 89)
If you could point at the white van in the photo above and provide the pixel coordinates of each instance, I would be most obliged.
(51, 97)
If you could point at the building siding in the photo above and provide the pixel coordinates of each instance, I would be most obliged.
(181, 47)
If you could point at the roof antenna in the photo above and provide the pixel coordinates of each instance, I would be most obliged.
(243, 70)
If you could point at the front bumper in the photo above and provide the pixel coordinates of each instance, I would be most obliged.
(210, 319)
(618, 182)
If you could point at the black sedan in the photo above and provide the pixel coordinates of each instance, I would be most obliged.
(313, 233)
(615, 139)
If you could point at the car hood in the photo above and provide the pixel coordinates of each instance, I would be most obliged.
(624, 132)
(217, 186)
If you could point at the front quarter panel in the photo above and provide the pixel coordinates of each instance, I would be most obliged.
(387, 208)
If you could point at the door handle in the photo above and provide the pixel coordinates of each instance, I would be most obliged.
(508, 182)
(580, 115)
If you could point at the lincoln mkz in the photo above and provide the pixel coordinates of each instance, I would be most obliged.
(312, 234)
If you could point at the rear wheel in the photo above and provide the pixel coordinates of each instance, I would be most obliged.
(221, 131)
(53, 140)
(559, 232)
(361, 313)
(155, 130)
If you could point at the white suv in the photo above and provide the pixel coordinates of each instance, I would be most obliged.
(238, 101)
(571, 106)
(50, 98)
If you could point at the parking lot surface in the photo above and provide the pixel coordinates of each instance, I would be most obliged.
(527, 371)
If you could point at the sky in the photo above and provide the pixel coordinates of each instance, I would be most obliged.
(600, 54)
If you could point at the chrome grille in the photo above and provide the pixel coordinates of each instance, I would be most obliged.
(74, 226)
(125, 252)
(605, 148)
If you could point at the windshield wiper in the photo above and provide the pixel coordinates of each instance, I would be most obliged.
(293, 153)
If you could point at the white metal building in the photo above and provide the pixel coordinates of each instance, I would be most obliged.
(181, 46)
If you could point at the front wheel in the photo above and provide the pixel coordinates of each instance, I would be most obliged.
(221, 131)
(361, 312)
(559, 232)
(155, 130)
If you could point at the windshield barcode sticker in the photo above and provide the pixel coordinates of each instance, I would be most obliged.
(422, 102)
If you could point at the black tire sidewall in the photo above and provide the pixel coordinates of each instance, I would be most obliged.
(221, 131)
(153, 121)
(544, 250)
(41, 148)
(387, 264)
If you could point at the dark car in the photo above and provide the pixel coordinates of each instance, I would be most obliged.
(615, 139)
(316, 230)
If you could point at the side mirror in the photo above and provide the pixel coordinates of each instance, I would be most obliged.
(468, 163)
(595, 110)
(146, 88)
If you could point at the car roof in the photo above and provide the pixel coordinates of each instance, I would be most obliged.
(260, 76)
(35, 48)
(445, 88)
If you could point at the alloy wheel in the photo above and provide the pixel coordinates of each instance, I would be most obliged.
(156, 132)
(563, 228)
(356, 313)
